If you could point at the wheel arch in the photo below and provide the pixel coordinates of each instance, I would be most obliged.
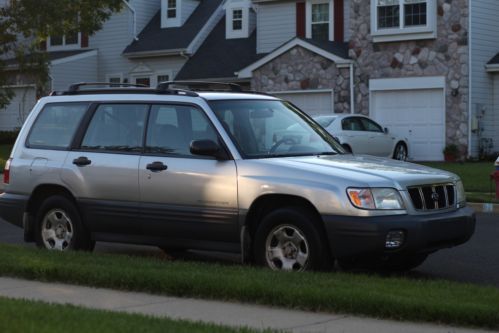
(402, 142)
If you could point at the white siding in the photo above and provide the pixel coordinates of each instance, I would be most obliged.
(81, 70)
(159, 65)
(145, 10)
(187, 8)
(276, 25)
(346, 18)
(13, 115)
(252, 21)
(484, 45)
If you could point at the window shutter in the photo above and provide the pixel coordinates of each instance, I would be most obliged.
(300, 19)
(338, 21)
(84, 40)
(43, 45)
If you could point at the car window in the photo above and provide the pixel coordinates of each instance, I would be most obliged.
(325, 121)
(370, 125)
(171, 129)
(116, 127)
(352, 124)
(56, 125)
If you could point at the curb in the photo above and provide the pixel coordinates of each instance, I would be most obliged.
(485, 207)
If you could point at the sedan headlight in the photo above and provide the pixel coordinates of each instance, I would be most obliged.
(461, 195)
(375, 198)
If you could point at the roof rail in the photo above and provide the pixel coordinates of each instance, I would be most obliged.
(119, 88)
(76, 86)
(233, 87)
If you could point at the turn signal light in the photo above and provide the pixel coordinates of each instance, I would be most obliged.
(6, 171)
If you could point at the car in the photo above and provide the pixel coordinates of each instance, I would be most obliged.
(361, 135)
(180, 167)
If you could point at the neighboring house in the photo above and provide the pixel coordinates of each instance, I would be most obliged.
(427, 69)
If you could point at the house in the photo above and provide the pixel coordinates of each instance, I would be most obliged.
(427, 69)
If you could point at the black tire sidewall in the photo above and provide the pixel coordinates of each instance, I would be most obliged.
(81, 238)
(300, 219)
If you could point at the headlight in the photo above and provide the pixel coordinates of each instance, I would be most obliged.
(375, 198)
(461, 195)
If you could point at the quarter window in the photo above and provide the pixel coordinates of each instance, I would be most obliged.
(320, 21)
(352, 124)
(116, 127)
(56, 125)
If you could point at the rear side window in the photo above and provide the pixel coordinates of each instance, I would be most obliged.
(116, 127)
(56, 125)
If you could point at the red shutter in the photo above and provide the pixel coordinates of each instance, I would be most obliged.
(300, 19)
(43, 45)
(338, 21)
(84, 40)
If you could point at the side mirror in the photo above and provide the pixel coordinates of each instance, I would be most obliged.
(386, 130)
(208, 148)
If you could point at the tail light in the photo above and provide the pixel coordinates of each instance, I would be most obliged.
(6, 171)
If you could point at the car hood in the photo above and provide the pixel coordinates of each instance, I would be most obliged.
(359, 170)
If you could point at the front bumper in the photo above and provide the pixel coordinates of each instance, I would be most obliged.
(351, 236)
(12, 208)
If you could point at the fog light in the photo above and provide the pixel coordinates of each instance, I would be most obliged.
(394, 239)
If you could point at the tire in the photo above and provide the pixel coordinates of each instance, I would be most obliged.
(400, 153)
(59, 226)
(347, 148)
(295, 241)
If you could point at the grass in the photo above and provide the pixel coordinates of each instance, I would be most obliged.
(475, 175)
(394, 297)
(29, 316)
(481, 197)
(4, 154)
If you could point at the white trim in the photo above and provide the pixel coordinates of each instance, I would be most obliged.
(115, 75)
(64, 46)
(308, 17)
(427, 82)
(247, 71)
(154, 79)
(205, 30)
(470, 80)
(244, 6)
(134, 15)
(79, 56)
(492, 68)
(171, 22)
(402, 33)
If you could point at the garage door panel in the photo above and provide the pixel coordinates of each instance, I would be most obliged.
(313, 103)
(417, 115)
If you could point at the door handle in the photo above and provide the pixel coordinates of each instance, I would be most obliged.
(156, 166)
(82, 161)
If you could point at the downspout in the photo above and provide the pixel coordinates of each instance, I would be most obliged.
(470, 81)
(134, 19)
(352, 98)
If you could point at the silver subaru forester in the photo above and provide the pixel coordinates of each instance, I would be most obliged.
(220, 170)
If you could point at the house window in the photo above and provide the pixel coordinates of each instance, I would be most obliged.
(171, 11)
(237, 19)
(397, 20)
(114, 81)
(65, 40)
(146, 81)
(320, 21)
(163, 78)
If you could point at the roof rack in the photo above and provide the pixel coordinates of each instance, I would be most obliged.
(199, 85)
(120, 88)
(76, 86)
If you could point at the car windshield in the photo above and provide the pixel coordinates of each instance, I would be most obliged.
(325, 121)
(272, 128)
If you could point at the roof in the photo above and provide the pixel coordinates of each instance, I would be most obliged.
(52, 56)
(337, 48)
(219, 57)
(155, 38)
(494, 60)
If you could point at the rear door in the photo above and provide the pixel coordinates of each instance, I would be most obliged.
(103, 170)
(355, 135)
(189, 200)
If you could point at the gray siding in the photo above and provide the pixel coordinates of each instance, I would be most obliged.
(276, 25)
(187, 8)
(81, 70)
(252, 21)
(159, 64)
(145, 10)
(484, 45)
(346, 18)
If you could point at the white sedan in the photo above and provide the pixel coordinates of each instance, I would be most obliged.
(361, 135)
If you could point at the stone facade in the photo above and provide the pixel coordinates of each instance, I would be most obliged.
(447, 55)
(300, 69)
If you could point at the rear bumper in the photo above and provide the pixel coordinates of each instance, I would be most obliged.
(12, 208)
(365, 236)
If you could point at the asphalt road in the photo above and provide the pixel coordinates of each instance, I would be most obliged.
(474, 262)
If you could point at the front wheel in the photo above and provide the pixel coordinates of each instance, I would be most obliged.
(287, 240)
(59, 226)
(400, 152)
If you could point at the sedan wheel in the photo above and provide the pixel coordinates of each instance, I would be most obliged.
(400, 152)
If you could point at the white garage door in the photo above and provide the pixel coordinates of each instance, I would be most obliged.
(312, 102)
(418, 115)
(13, 116)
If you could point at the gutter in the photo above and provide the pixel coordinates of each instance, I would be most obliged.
(134, 19)
(157, 53)
(352, 98)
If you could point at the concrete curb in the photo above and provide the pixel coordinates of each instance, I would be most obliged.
(485, 207)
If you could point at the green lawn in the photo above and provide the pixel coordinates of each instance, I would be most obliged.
(475, 175)
(380, 297)
(4, 155)
(37, 317)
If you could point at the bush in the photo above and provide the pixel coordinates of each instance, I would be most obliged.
(8, 137)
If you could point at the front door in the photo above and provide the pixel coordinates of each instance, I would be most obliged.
(186, 199)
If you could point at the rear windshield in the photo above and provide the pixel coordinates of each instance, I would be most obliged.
(272, 128)
(56, 125)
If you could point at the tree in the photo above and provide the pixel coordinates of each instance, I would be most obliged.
(25, 24)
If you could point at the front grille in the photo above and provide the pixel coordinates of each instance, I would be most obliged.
(432, 197)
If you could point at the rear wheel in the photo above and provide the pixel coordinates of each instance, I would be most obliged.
(59, 226)
(287, 240)
(400, 152)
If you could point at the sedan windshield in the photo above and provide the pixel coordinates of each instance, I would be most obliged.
(270, 128)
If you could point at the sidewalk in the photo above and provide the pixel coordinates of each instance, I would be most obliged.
(230, 314)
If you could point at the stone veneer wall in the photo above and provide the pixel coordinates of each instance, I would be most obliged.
(447, 55)
(300, 69)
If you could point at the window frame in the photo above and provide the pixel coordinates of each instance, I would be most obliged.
(168, 9)
(402, 33)
(238, 19)
(308, 17)
(64, 45)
